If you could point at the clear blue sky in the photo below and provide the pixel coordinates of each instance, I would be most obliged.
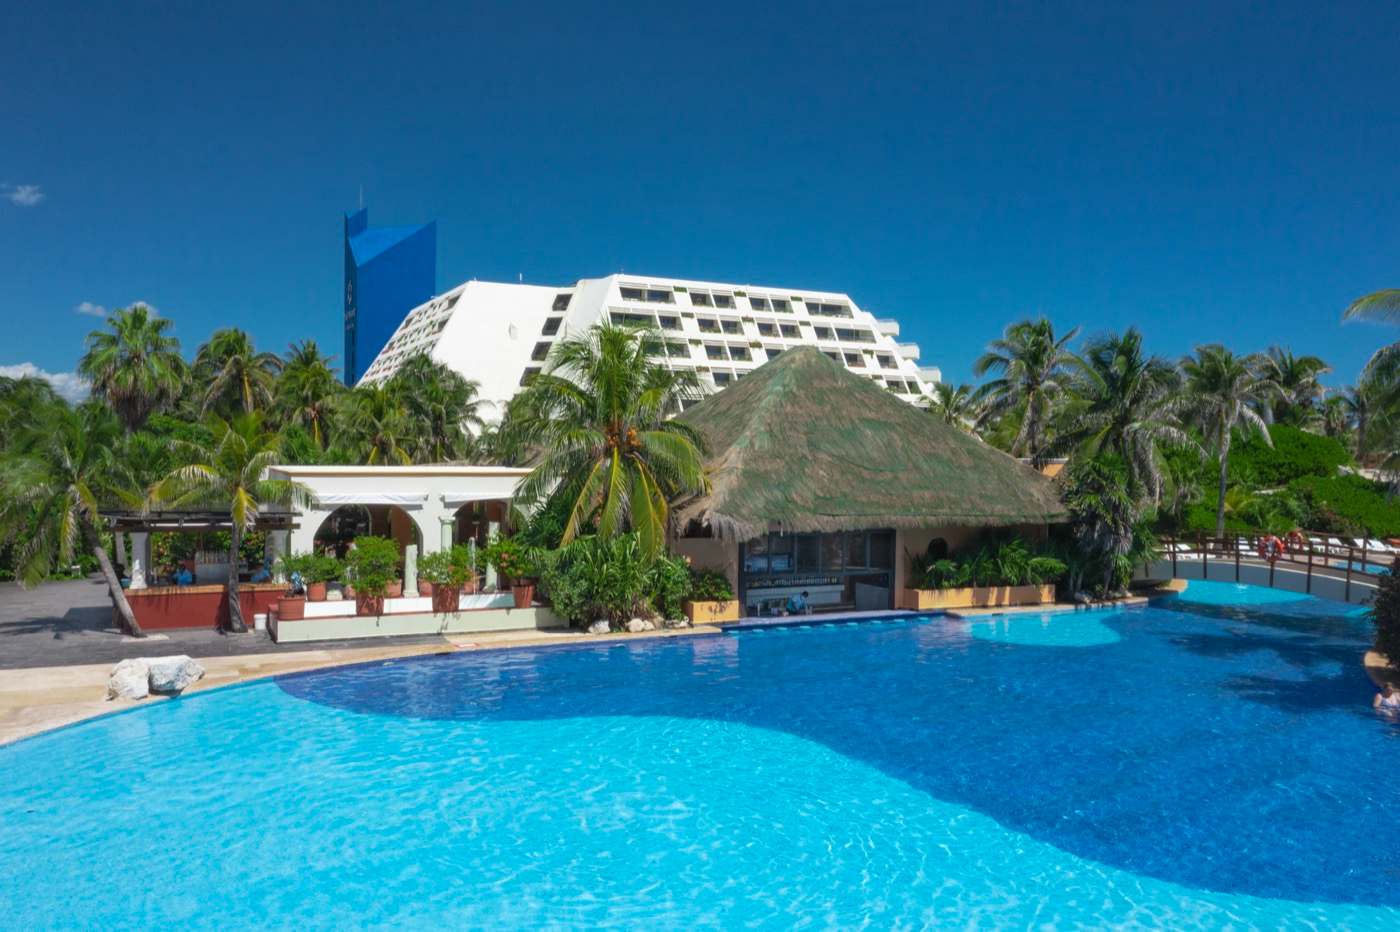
(1212, 172)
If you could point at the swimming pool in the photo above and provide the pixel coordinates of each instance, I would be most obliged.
(1196, 762)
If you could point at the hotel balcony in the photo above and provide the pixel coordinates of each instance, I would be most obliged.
(931, 374)
(908, 351)
(889, 328)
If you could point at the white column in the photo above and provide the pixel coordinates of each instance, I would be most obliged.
(410, 571)
(447, 531)
(274, 549)
(140, 558)
(119, 544)
(492, 529)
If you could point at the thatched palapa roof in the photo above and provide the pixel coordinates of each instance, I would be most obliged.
(804, 444)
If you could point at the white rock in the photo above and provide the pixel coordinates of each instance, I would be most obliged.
(676, 623)
(599, 627)
(335, 595)
(130, 679)
(172, 674)
(640, 624)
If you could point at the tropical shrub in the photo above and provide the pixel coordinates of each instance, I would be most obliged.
(452, 567)
(611, 579)
(1009, 561)
(1295, 453)
(1385, 614)
(371, 564)
(511, 558)
(1349, 504)
(669, 585)
(710, 586)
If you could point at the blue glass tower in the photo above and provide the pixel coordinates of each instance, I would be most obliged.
(388, 272)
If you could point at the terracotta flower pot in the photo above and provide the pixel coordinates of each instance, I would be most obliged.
(425, 587)
(445, 598)
(523, 592)
(369, 604)
(316, 592)
(291, 608)
(394, 590)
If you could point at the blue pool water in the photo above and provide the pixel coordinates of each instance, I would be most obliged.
(1212, 764)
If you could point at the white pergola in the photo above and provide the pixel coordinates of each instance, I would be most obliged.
(429, 495)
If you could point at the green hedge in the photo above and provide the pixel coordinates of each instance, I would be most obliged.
(1350, 503)
(1295, 453)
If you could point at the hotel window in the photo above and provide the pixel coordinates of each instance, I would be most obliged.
(700, 299)
(767, 329)
(833, 354)
(551, 326)
(740, 352)
(782, 305)
(561, 301)
(897, 387)
(722, 378)
(791, 332)
(759, 304)
(529, 375)
(633, 294)
(855, 360)
(731, 326)
(823, 333)
(772, 351)
(669, 322)
(632, 320)
(714, 352)
(724, 300)
(661, 296)
(707, 324)
(827, 310)
(678, 350)
(855, 336)
(886, 362)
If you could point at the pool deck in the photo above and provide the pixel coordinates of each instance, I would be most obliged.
(38, 699)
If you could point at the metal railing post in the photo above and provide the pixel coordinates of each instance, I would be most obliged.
(1237, 558)
(1310, 571)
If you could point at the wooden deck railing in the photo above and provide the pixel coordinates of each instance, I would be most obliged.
(1316, 554)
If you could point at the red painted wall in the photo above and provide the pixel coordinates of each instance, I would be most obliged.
(198, 606)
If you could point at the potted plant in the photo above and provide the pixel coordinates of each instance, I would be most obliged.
(319, 569)
(513, 568)
(292, 606)
(711, 598)
(371, 564)
(447, 571)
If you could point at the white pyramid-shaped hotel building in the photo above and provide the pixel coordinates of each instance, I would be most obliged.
(500, 334)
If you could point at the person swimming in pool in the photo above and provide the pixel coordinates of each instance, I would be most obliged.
(1387, 701)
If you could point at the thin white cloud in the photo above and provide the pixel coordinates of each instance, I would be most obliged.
(91, 310)
(22, 195)
(69, 385)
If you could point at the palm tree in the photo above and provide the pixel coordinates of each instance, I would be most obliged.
(236, 377)
(371, 422)
(1297, 391)
(306, 390)
(599, 415)
(1125, 402)
(230, 474)
(52, 489)
(1031, 365)
(135, 365)
(956, 406)
(1336, 418)
(1379, 305)
(23, 403)
(1223, 392)
(442, 409)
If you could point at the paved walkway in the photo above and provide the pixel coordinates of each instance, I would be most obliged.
(62, 624)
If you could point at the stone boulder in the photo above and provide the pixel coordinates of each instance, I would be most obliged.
(676, 623)
(173, 674)
(130, 679)
(638, 625)
(599, 627)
